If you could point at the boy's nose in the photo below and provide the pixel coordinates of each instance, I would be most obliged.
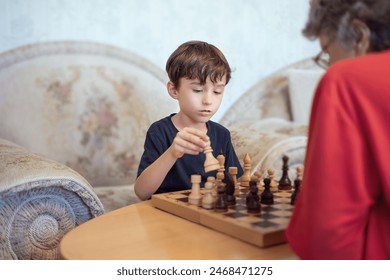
(206, 99)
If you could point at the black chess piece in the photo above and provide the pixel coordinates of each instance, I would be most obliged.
(297, 184)
(253, 199)
(221, 202)
(230, 188)
(285, 182)
(267, 197)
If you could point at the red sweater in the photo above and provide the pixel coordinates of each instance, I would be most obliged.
(343, 208)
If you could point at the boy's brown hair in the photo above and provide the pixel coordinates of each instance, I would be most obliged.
(197, 60)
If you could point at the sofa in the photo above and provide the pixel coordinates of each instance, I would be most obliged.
(73, 117)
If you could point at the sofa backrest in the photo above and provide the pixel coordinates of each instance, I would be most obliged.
(84, 104)
(273, 96)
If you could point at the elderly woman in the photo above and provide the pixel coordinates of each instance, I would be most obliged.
(343, 209)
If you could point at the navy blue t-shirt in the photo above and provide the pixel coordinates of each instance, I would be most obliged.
(160, 137)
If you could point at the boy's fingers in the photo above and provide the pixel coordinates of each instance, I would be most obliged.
(195, 136)
(189, 146)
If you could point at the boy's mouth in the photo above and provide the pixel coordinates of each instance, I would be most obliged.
(205, 113)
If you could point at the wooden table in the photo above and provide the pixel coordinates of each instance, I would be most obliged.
(142, 232)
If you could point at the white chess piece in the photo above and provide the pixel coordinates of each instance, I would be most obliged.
(271, 176)
(195, 196)
(208, 200)
(246, 177)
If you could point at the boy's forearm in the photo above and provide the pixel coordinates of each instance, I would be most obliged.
(151, 178)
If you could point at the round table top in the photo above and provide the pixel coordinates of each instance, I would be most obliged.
(142, 232)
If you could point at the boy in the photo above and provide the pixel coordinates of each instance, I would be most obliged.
(198, 73)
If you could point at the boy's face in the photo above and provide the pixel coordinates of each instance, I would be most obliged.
(198, 102)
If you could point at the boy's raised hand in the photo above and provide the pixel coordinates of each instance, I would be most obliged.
(189, 141)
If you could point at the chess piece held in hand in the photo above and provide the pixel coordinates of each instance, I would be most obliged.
(210, 163)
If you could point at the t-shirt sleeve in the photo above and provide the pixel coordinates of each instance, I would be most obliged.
(153, 149)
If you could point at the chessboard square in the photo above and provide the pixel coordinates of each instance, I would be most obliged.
(268, 208)
(235, 215)
(282, 198)
(281, 206)
(280, 221)
(249, 219)
(265, 224)
(268, 216)
(284, 214)
(280, 214)
(239, 207)
(182, 199)
(174, 195)
(285, 207)
(280, 201)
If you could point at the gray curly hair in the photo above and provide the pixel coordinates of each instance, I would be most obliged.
(334, 18)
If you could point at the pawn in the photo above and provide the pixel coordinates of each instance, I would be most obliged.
(207, 200)
(253, 199)
(210, 163)
(259, 175)
(195, 197)
(246, 177)
(297, 184)
(300, 172)
(221, 203)
(271, 176)
(211, 179)
(254, 180)
(267, 197)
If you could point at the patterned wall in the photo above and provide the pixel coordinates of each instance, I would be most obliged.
(258, 37)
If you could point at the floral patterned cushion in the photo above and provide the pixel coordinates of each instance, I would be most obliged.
(267, 141)
(85, 105)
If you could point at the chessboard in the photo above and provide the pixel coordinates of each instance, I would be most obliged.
(263, 229)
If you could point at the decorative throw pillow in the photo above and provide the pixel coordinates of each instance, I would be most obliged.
(302, 86)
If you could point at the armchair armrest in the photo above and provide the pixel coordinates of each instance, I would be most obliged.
(40, 200)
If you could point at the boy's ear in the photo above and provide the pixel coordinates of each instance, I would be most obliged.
(172, 90)
(362, 45)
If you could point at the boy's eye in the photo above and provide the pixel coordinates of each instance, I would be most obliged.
(197, 90)
(218, 92)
